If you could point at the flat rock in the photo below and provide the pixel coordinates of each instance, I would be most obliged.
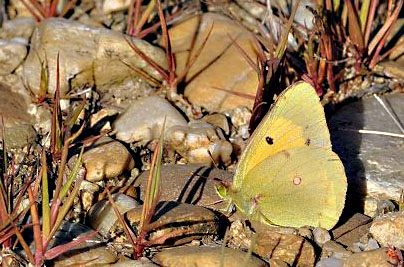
(144, 119)
(205, 256)
(18, 28)
(389, 229)
(220, 64)
(12, 54)
(273, 243)
(352, 230)
(334, 250)
(18, 122)
(377, 257)
(88, 56)
(142, 262)
(188, 184)
(87, 257)
(290, 248)
(330, 262)
(373, 162)
(181, 222)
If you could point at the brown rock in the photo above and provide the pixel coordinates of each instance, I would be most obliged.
(218, 120)
(377, 257)
(352, 230)
(206, 256)
(108, 159)
(102, 216)
(92, 257)
(389, 229)
(188, 184)
(272, 244)
(200, 143)
(219, 65)
(288, 248)
(88, 56)
(142, 262)
(13, 109)
(181, 222)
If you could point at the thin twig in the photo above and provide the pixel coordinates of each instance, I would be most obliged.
(390, 112)
(374, 132)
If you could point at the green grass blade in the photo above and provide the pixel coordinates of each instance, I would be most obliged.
(46, 220)
(72, 176)
(364, 13)
(68, 203)
(153, 186)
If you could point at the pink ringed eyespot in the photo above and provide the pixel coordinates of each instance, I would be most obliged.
(297, 180)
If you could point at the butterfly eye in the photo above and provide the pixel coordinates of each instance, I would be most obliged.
(269, 140)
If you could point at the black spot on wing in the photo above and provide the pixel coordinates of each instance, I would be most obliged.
(307, 143)
(270, 141)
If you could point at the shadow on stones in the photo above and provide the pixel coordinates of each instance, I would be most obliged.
(196, 191)
(347, 144)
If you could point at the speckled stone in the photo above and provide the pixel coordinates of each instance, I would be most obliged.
(389, 229)
(188, 184)
(205, 256)
(183, 222)
(373, 162)
(143, 120)
(107, 159)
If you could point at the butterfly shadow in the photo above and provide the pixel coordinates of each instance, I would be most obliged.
(347, 144)
(193, 189)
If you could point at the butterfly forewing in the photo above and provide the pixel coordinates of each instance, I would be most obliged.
(296, 120)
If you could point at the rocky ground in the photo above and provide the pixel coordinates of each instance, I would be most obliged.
(88, 58)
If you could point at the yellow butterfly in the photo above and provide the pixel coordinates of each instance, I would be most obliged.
(288, 174)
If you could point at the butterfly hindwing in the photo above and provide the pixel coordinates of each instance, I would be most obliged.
(305, 187)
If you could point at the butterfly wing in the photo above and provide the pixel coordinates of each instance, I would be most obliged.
(295, 187)
(296, 120)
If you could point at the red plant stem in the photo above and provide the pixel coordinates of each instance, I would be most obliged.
(375, 57)
(154, 27)
(54, 210)
(167, 44)
(3, 207)
(38, 17)
(56, 251)
(396, 46)
(389, 7)
(37, 229)
(38, 7)
(52, 8)
(371, 16)
(328, 5)
(388, 23)
(149, 61)
(67, 8)
(135, 28)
